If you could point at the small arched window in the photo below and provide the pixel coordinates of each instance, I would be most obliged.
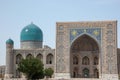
(85, 73)
(40, 57)
(96, 73)
(85, 61)
(75, 72)
(95, 60)
(18, 75)
(49, 59)
(29, 56)
(75, 60)
(18, 58)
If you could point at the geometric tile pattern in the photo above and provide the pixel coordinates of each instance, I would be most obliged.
(93, 32)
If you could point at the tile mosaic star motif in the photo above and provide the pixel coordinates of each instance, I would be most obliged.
(93, 32)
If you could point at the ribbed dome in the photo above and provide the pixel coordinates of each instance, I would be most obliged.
(9, 41)
(31, 33)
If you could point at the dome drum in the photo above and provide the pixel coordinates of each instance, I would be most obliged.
(31, 44)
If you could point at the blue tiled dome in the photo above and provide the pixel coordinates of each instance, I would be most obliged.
(31, 33)
(9, 41)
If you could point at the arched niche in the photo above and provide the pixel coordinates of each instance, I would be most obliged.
(18, 58)
(40, 57)
(49, 59)
(86, 47)
(29, 56)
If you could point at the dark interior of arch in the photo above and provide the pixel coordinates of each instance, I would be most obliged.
(84, 43)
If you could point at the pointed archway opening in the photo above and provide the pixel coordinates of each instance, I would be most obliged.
(85, 48)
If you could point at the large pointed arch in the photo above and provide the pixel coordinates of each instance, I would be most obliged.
(84, 46)
(92, 44)
(83, 35)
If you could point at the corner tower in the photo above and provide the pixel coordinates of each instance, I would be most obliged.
(9, 58)
(31, 37)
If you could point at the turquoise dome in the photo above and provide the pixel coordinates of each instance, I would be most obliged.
(9, 41)
(31, 33)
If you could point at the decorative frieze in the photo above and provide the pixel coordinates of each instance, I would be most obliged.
(111, 56)
(60, 66)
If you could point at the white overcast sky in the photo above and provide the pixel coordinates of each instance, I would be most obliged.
(15, 14)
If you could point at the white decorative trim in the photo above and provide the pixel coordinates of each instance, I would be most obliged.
(110, 77)
(62, 75)
(8, 76)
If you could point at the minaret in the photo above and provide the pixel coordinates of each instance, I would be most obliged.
(9, 59)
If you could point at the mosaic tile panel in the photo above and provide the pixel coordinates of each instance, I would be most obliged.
(94, 32)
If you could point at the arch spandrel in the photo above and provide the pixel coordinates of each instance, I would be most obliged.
(95, 33)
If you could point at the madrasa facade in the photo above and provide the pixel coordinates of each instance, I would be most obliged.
(84, 50)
